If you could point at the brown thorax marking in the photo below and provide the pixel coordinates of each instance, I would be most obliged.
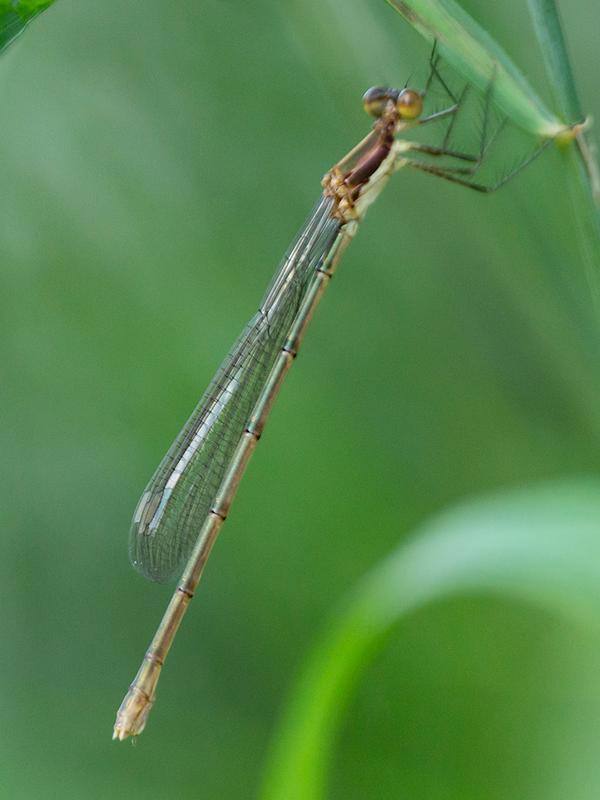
(346, 185)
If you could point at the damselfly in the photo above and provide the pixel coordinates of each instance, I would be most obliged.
(186, 502)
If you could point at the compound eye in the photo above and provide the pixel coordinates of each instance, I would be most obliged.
(375, 100)
(409, 104)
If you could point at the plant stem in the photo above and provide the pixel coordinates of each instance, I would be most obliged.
(550, 34)
(583, 177)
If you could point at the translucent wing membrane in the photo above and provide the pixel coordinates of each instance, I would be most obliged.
(173, 507)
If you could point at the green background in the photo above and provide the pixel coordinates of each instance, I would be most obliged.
(156, 159)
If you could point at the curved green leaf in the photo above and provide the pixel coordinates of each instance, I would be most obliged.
(15, 16)
(541, 546)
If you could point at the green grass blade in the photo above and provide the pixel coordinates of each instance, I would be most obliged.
(540, 546)
(550, 35)
(479, 58)
(15, 15)
(581, 167)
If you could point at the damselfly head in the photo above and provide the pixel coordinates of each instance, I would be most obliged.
(407, 103)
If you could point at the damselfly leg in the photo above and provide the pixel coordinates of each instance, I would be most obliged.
(463, 175)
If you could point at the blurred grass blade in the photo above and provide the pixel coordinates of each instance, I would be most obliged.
(479, 58)
(15, 15)
(540, 546)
